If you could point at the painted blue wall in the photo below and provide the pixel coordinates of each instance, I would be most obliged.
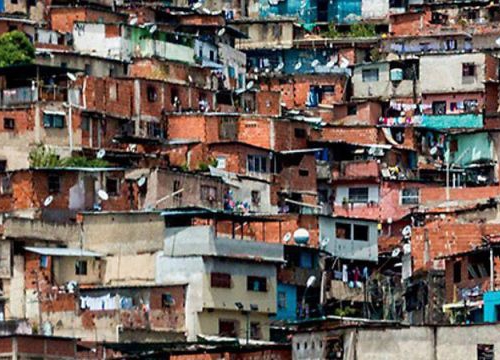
(491, 300)
(450, 121)
(290, 310)
(2, 7)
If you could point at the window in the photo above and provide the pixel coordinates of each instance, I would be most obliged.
(470, 105)
(167, 300)
(231, 72)
(5, 185)
(352, 110)
(343, 231)
(228, 328)
(88, 69)
(468, 69)
(81, 267)
(54, 184)
(208, 193)
(255, 332)
(451, 44)
(53, 120)
(439, 107)
(152, 94)
(300, 133)
(457, 272)
(256, 283)
(255, 197)
(9, 123)
(113, 92)
(176, 190)
(358, 195)
(13, 1)
(369, 75)
(485, 352)
(220, 280)
(303, 172)
(112, 186)
(257, 163)
(281, 300)
(410, 196)
(360, 232)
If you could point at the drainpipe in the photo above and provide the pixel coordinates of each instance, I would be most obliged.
(492, 271)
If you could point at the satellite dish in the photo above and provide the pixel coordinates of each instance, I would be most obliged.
(433, 151)
(250, 85)
(152, 29)
(315, 63)
(141, 181)
(221, 32)
(48, 200)
(101, 153)
(71, 76)
(280, 67)
(301, 236)
(298, 66)
(103, 195)
(324, 242)
(406, 231)
(396, 252)
(197, 5)
(133, 21)
(310, 282)
(287, 237)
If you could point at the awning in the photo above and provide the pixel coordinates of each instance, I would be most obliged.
(300, 151)
(62, 252)
(461, 304)
(54, 112)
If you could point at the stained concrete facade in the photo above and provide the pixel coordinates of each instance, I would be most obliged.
(409, 343)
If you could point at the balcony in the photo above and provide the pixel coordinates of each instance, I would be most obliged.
(355, 169)
(341, 291)
(28, 95)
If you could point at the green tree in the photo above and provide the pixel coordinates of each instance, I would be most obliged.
(15, 48)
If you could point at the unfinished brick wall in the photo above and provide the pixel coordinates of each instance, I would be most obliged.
(440, 237)
(355, 135)
(438, 194)
(62, 19)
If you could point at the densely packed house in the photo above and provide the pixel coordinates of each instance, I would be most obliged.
(248, 179)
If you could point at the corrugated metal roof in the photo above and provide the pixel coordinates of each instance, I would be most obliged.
(62, 252)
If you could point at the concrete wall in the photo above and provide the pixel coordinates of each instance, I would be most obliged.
(409, 343)
(123, 233)
(201, 298)
(384, 87)
(350, 249)
(64, 270)
(201, 240)
(449, 68)
(374, 9)
(267, 35)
